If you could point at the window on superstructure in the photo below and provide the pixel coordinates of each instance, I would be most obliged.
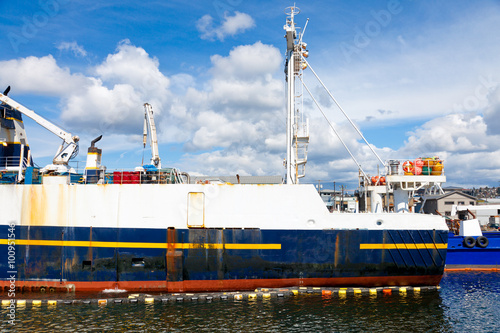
(449, 202)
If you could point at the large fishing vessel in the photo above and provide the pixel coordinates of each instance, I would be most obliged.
(150, 230)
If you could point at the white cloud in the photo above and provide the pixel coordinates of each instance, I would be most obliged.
(122, 84)
(468, 142)
(453, 133)
(234, 122)
(179, 83)
(492, 112)
(109, 102)
(231, 26)
(234, 24)
(245, 162)
(40, 76)
(471, 155)
(243, 102)
(239, 107)
(101, 110)
(132, 65)
(247, 62)
(437, 70)
(77, 50)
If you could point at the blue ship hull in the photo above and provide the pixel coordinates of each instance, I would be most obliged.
(460, 257)
(93, 259)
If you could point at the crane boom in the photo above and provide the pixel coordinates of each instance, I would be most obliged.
(68, 148)
(149, 127)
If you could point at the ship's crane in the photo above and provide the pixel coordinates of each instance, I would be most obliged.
(150, 128)
(69, 146)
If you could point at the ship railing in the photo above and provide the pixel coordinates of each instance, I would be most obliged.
(12, 169)
(422, 166)
(405, 167)
(159, 176)
(13, 163)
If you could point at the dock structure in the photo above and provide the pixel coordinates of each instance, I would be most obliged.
(261, 294)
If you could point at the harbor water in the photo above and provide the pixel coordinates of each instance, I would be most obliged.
(466, 301)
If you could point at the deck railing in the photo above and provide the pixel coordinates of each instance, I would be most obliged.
(11, 174)
(123, 176)
(405, 167)
(431, 166)
(13, 163)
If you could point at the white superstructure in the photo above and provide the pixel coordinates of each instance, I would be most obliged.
(172, 205)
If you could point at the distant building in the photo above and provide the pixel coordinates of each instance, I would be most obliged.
(443, 203)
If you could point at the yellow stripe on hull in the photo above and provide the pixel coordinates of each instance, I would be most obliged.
(230, 246)
(402, 246)
(134, 245)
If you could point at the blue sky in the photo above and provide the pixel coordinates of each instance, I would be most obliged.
(420, 78)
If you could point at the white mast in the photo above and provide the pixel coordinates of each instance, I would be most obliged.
(297, 132)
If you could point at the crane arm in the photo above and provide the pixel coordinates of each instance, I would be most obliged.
(70, 144)
(149, 124)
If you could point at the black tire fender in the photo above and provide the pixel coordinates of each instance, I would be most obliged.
(469, 242)
(482, 242)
